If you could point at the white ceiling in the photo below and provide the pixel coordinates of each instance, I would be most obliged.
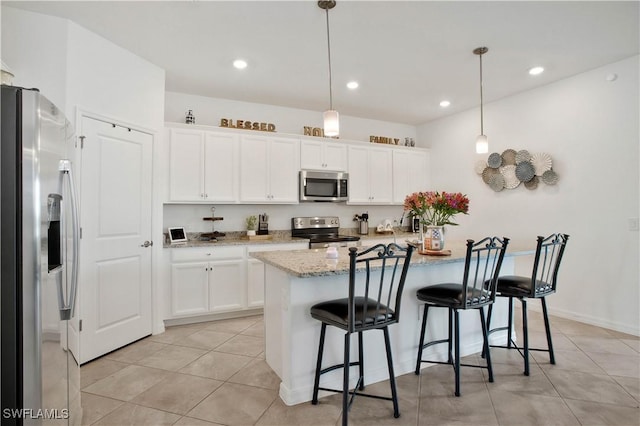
(406, 55)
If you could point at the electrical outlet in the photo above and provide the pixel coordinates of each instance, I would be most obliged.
(633, 223)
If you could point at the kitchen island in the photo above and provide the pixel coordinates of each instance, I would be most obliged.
(296, 280)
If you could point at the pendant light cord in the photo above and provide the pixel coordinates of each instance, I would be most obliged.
(481, 100)
(329, 52)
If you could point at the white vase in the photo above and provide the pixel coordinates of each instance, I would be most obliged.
(434, 238)
(251, 232)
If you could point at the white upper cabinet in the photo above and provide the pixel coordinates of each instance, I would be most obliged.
(203, 166)
(186, 165)
(410, 173)
(322, 155)
(370, 175)
(269, 169)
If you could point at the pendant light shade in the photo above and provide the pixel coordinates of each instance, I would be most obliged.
(331, 123)
(330, 117)
(482, 143)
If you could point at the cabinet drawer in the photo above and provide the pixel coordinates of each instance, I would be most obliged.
(206, 254)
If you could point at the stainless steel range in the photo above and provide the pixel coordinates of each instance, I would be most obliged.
(322, 231)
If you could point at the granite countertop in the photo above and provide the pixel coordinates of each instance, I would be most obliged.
(236, 239)
(314, 263)
(278, 237)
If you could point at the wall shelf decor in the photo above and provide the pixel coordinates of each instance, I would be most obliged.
(512, 168)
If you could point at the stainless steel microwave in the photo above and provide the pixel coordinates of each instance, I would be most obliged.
(323, 186)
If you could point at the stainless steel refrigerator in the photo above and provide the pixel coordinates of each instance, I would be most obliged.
(39, 240)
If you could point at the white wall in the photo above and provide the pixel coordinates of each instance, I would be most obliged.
(591, 129)
(111, 81)
(209, 111)
(34, 46)
(190, 216)
(74, 67)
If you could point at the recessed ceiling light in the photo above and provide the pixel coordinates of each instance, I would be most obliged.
(240, 64)
(445, 104)
(352, 85)
(536, 70)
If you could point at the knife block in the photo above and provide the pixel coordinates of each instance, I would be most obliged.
(263, 228)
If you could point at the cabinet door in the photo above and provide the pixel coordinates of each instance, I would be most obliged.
(221, 167)
(359, 175)
(227, 285)
(189, 288)
(380, 176)
(186, 165)
(284, 164)
(255, 283)
(335, 157)
(311, 155)
(410, 173)
(418, 172)
(254, 185)
(400, 176)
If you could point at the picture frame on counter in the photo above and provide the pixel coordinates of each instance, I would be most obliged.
(177, 235)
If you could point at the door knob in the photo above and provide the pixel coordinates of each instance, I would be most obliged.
(147, 244)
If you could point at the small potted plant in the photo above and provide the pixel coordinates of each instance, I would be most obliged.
(251, 225)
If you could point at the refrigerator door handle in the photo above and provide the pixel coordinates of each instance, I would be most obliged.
(67, 310)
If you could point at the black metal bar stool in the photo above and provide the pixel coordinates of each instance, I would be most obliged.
(371, 305)
(539, 285)
(481, 269)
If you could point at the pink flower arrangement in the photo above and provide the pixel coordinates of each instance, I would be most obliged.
(435, 208)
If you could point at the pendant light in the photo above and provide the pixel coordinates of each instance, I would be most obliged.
(482, 143)
(330, 117)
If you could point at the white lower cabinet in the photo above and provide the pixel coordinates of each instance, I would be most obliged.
(255, 283)
(211, 280)
(207, 280)
(255, 270)
(189, 288)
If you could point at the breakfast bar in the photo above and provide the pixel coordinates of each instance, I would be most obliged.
(296, 280)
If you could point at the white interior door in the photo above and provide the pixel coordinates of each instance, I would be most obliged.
(115, 258)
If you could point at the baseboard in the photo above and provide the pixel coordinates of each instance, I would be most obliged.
(587, 319)
(213, 317)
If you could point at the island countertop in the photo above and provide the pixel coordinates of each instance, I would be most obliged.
(314, 263)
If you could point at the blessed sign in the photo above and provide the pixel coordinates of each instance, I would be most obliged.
(247, 125)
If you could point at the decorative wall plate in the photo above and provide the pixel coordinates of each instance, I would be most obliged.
(488, 172)
(522, 156)
(496, 182)
(541, 162)
(525, 171)
(533, 183)
(495, 160)
(550, 177)
(508, 157)
(509, 174)
(480, 166)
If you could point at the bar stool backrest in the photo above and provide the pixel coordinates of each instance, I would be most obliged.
(546, 263)
(481, 270)
(382, 296)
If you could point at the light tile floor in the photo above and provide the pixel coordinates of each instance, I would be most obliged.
(214, 374)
